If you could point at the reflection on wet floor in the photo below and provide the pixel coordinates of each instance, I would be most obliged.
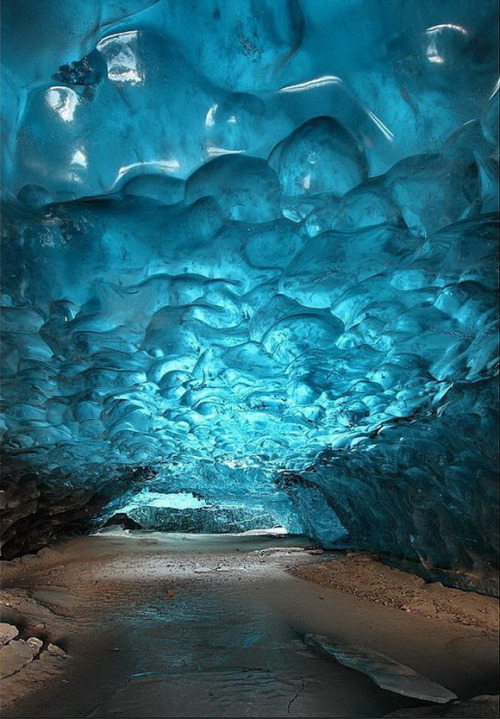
(217, 655)
(220, 650)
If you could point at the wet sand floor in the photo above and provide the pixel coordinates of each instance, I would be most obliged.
(173, 626)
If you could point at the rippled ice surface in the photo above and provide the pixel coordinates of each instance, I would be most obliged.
(253, 256)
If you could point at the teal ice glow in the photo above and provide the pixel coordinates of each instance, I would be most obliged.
(246, 240)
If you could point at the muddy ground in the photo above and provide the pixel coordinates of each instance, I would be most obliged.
(185, 625)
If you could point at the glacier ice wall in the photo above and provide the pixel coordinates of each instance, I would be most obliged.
(250, 252)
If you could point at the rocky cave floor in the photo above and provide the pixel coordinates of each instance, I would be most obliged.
(143, 624)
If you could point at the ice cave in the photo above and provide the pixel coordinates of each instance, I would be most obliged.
(249, 270)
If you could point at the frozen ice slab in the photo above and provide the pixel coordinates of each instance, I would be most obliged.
(384, 671)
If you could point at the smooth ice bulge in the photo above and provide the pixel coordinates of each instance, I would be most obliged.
(252, 256)
(320, 156)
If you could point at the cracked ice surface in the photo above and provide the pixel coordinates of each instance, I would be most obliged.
(238, 239)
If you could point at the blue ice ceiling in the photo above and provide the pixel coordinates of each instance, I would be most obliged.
(251, 246)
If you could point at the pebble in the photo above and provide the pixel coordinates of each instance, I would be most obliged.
(35, 644)
(7, 632)
(56, 651)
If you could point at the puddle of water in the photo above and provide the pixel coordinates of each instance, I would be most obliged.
(215, 653)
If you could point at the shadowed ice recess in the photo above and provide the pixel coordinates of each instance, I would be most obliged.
(249, 258)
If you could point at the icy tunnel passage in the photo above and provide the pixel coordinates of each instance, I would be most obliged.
(249, 272)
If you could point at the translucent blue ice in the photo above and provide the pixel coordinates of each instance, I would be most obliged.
(251, 251)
